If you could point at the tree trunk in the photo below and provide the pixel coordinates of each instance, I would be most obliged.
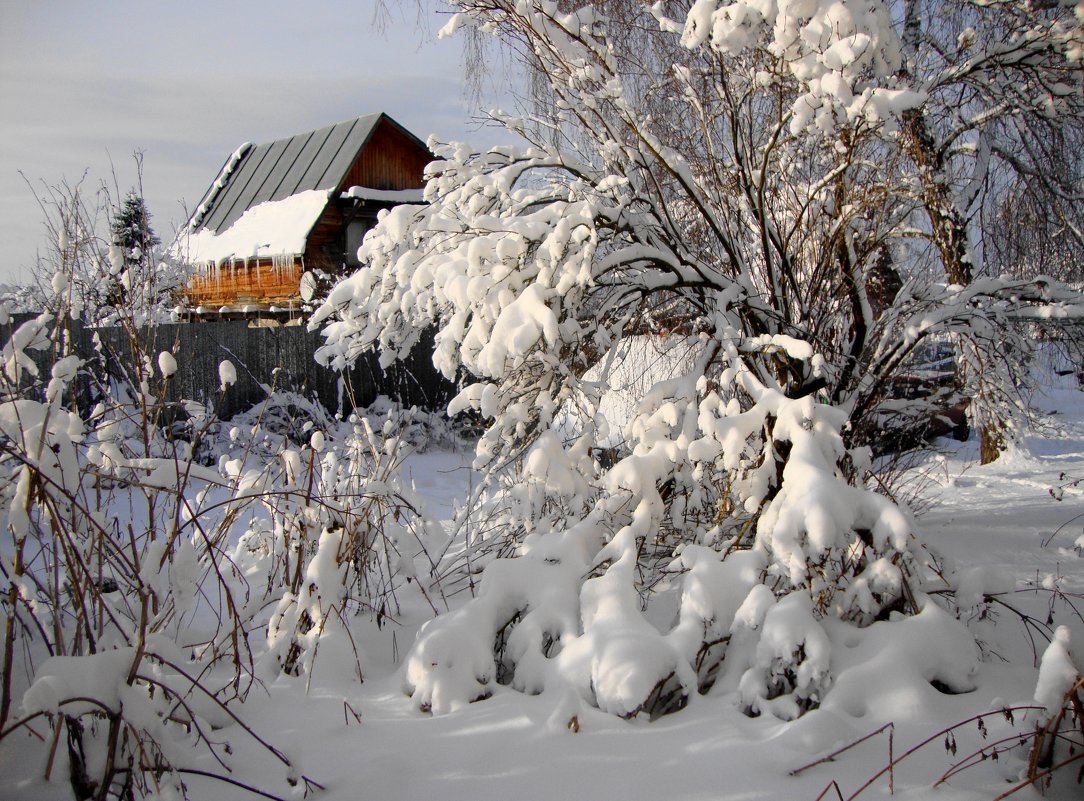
(949, 237)
(947, 224)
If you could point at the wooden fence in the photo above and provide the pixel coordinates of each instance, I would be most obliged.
(265, 358)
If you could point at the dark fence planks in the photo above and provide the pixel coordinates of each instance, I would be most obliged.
(265, 359)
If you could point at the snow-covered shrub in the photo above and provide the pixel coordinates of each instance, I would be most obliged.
(420, 430)
(105, 559)
(340, 534)
(826, 547)
(282, 420)
(139, 576)
(736, 182)
(1059, 722)
(336, 532)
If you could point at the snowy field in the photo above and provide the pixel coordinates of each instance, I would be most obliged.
(367, 741)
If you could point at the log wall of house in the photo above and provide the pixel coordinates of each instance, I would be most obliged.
(390, 160)
(324, 247)
(251, 283)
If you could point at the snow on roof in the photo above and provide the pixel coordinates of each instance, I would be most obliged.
(219, 184)
(273, 228)
(384, 195)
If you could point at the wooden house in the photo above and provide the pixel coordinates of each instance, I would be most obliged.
(282, 217)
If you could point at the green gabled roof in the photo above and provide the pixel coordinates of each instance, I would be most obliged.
(257, 174)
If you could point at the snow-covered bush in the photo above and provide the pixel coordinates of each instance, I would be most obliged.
(1059, 696)
(147, 587)
(649, 534)
(339, 534)
(737, 181)
(105, 558)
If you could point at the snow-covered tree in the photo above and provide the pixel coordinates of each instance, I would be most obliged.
(1032, 226)
(135, 242)
(739, 188)
(143, 277)
(132, 229)
(1001, 87)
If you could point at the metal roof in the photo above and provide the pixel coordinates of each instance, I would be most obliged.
(317, 159)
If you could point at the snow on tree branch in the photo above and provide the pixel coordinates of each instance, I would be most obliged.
(736, 186)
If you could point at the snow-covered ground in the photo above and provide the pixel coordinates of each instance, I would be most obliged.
(366, 740)
(514, 746)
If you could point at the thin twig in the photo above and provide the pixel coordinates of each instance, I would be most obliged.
(831, 757)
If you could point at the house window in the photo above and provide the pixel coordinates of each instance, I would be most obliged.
(355, 233)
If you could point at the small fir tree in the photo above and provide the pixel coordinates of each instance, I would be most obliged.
(132, 229)
(134, 242)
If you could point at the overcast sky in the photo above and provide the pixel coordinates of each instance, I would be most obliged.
(85, 84)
